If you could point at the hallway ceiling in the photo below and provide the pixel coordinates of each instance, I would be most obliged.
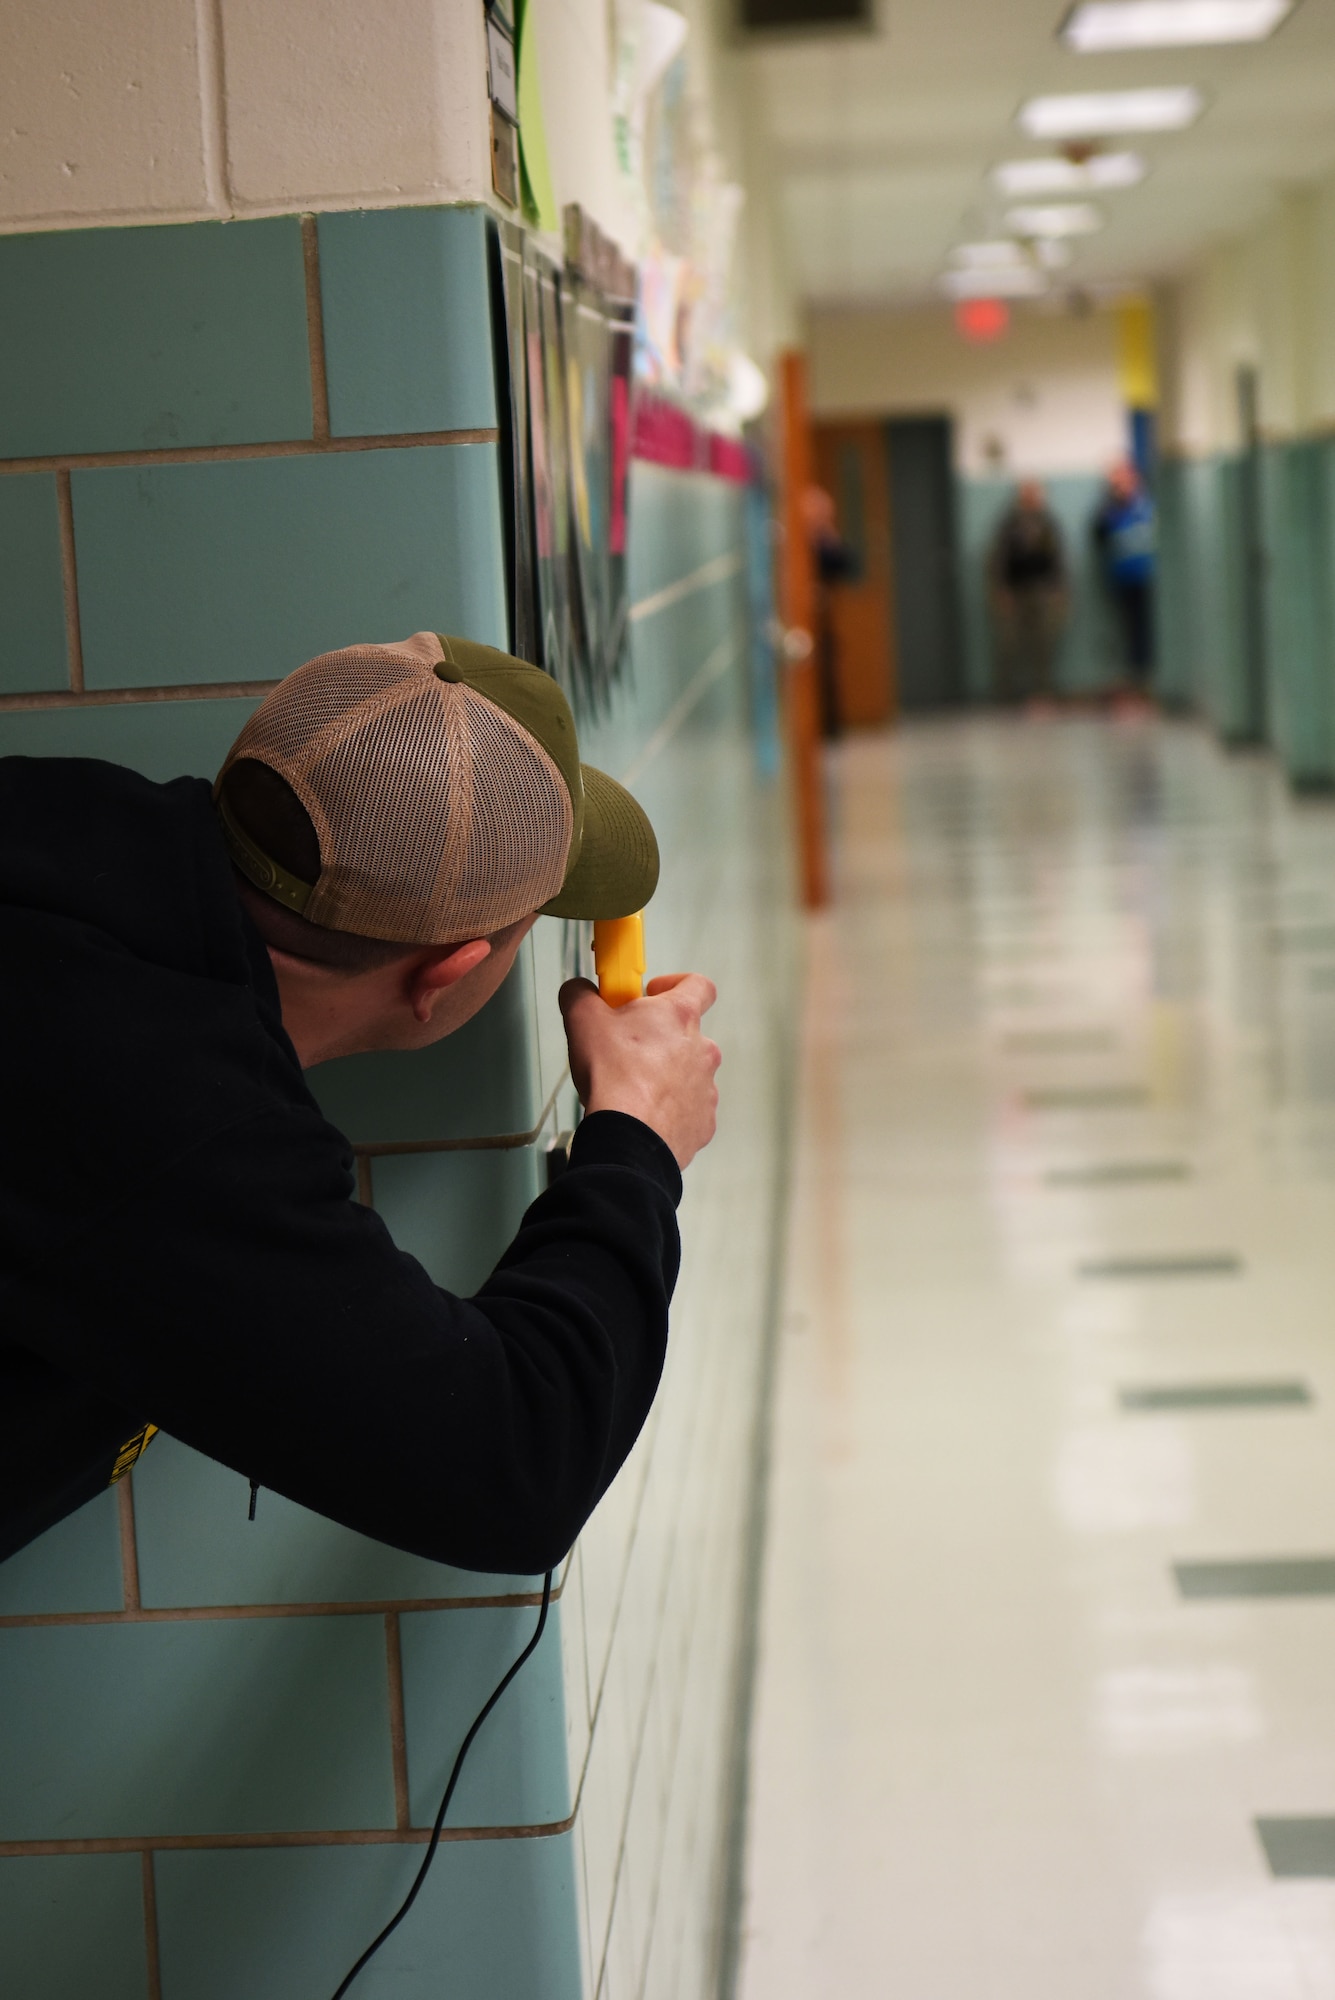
(882, 142)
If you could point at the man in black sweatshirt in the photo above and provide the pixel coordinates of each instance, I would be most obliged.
(179, 1244)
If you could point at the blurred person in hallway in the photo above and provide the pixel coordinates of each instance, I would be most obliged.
(1124, 537)
(1027, 574)
(832, 562)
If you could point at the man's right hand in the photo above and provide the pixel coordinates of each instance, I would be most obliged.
(648, 1058)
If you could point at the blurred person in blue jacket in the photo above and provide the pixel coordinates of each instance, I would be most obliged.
(1124, 533)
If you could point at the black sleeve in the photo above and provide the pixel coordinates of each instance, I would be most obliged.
(260, 1315)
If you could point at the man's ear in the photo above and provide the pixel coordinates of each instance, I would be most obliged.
(431, 972)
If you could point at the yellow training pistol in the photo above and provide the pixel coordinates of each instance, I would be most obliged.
(618, 954)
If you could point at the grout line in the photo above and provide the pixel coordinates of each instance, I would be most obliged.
(310, 256)
(112, 697)
(193, 1843)
(213, 102)
(240, 209)
(716, 570)
(129, 1545)
(713, 669)
(152, 1949)
(174, 1614)
(226, 454)
(69, 576)
(497, 1142)
(398, 1728)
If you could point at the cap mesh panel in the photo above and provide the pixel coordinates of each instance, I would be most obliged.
(519, 829)
(439, 817)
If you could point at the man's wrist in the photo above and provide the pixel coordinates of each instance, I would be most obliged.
(607, 1138)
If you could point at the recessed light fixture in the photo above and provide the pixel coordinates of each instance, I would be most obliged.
(1016, 281)
(1057, 176)
(1095, 114)
(1055, 218)
(1096, 25)
(997, 255)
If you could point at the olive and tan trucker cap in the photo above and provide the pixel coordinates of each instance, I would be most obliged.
(443, 783)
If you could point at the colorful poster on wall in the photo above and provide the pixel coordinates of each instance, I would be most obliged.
(568, 650)
(575, 333)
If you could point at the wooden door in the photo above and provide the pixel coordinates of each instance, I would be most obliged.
(850, 465)
(797, 608)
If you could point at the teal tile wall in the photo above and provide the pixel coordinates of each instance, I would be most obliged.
(407, 324)
(658, 1576)
(696, 524)
(73, 1924)
(75, 1566)
(196, 1546)
(1297, 518)
(455, 1212)
(240, 571)
(1202, 572)
(159, 1726)
(517, 1775)
(1087, 657)
(1175, 659)
(32, 606)
(1318, 456)
(1210, 492)
(215, 1725)
(1231, 699)
(145, 339)
(163, 739)
(495, 1921)
(1207, 594)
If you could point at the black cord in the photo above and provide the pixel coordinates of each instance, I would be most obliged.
(464, 1749)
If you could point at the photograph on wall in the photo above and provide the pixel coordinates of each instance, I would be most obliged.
(514, 397)
(549, 460)
(587, 412)
(620, 382)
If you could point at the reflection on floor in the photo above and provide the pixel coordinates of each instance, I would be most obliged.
(1047, 1696)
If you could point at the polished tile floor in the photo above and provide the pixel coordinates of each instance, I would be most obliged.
(1048, 1647)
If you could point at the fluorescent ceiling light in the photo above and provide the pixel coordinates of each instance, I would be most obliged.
(1091, 114)
(1019, 281)
(1055, 175)
(1052, 253)
(1096, 25)
(1057, 218)
(1004, 252)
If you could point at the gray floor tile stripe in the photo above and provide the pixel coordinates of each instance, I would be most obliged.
(1304, 937)
(1216, 1396)
(1118, 1173)
(1110, 1097)
(1258, 1576)
(1059, 1042)
(1298, 1847)
(1208, 1264)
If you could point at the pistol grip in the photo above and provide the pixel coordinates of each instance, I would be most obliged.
(618, 954)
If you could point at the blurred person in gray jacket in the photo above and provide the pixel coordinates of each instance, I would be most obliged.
(1028, 593)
